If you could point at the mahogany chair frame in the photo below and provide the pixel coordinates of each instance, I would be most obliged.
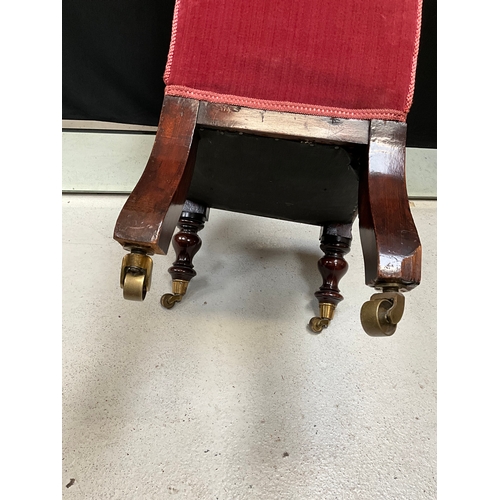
(389, 238)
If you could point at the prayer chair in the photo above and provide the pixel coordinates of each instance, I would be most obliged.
(291, 110)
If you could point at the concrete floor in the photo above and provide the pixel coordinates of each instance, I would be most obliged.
(228, 395)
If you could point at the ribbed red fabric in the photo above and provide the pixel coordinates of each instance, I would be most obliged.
(340, 58)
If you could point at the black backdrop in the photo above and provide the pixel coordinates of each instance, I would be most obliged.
(114, 55)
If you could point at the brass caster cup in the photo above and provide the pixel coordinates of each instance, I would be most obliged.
(380, 316)
(135, 276)
(179, 288)
(326, 314)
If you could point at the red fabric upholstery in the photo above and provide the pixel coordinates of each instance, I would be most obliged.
(341, 58)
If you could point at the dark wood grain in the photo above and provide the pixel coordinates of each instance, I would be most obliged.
(389, 238)
(149, 216)
(284, 125)
(186, 242)
(335, 243)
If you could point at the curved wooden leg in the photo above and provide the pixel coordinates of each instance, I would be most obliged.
(335, 242)
(148, 218)
(186, 244)
(391, 246)
(150, 214)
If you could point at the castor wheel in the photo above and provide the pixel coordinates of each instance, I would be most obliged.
(381, 314)
(317, 323)
(179, 288)
(135, 277)
(169, 300)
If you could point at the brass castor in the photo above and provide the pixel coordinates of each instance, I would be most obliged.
(323, 320)
(179, 288)
(381, 314)
(135, 276)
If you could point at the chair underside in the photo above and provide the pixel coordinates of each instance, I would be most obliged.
(299, 181)
(309, 169)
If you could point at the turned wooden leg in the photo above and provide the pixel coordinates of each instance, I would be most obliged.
(335, 243)
(391, 246)
(186, 244)
(148, 218)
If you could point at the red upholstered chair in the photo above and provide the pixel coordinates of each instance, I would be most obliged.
(328, 83)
